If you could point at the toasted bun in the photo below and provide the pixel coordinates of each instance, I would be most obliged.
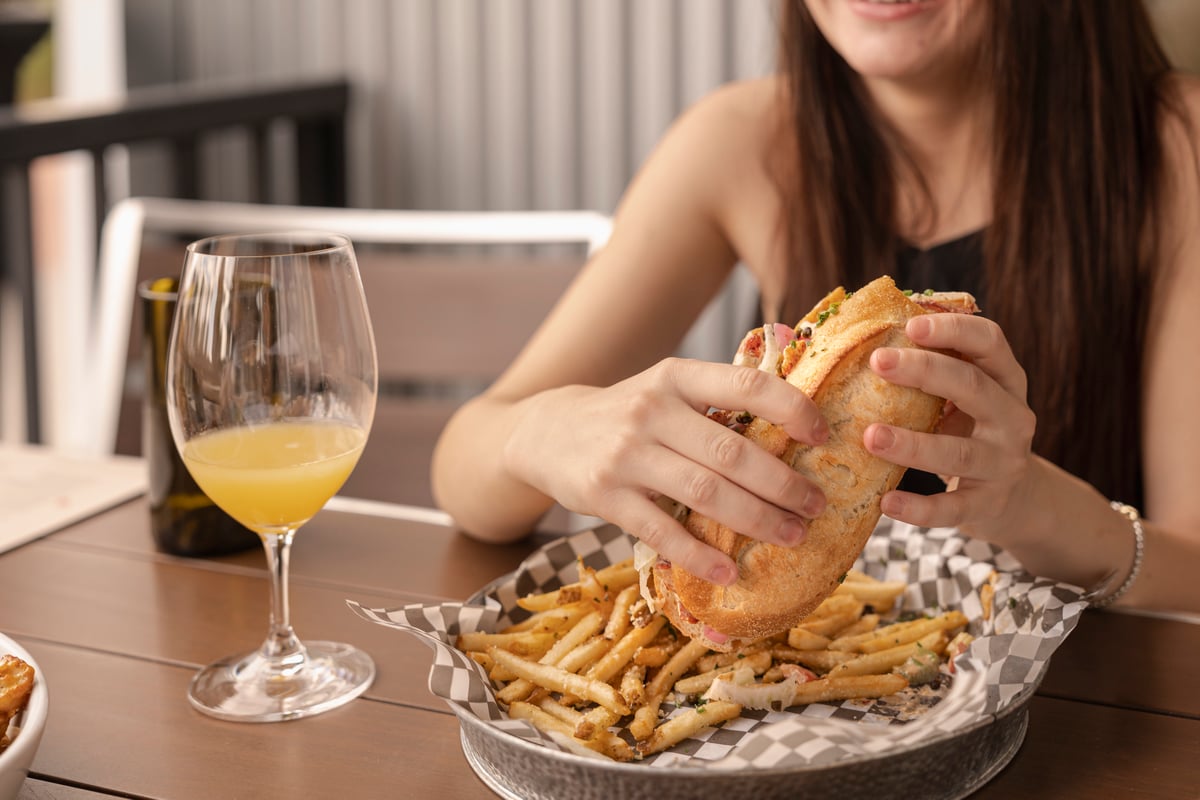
(778, 586)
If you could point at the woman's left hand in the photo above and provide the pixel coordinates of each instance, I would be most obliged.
(983, 447)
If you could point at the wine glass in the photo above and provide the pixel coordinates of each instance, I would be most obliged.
(271, 389)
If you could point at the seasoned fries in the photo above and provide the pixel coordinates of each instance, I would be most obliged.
(592, 664)
(16, 684)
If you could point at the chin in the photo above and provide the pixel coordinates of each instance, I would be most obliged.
(901, 40)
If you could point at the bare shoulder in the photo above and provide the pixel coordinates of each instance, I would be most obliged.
(725, 151)
(752, 100)
(710, 173)
(733, 121)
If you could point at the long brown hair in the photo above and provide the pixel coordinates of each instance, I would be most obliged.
(1079, 87)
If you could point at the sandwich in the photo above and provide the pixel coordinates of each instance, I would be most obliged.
(826, 356)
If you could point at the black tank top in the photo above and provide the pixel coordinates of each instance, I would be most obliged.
(952, 266)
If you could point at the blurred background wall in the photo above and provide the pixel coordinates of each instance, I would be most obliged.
(467, 104)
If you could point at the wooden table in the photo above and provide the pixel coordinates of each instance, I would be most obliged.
(119, 629)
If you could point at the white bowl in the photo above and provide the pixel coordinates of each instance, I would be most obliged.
(16, 759)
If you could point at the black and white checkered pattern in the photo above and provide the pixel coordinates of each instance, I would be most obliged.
(1028, 619)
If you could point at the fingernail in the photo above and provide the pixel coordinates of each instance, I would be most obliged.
(792, 532)
(886, 357)
(892, 504)
(820, 430)
(722, 574)
(919, 327)
(883, 438)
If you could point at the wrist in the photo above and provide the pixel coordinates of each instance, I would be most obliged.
(1067, 531)
(1119, 580)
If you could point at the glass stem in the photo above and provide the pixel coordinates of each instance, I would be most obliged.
(281, 647)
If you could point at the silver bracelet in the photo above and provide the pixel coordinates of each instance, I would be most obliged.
(1139, 547)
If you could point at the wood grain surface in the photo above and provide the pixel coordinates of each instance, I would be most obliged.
(119, 629)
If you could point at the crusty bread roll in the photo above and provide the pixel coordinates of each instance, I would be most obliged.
(778, 586)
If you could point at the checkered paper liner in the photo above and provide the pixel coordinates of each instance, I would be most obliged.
(1029, 618)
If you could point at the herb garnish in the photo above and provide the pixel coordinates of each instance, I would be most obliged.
(827, 313)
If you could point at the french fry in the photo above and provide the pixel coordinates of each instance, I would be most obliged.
(559, 711)
(592, 730)
(552, 619)
(620, 654)
(881, 661)
(801, 638)
(617, 576)
(545, 721)
(559, 680)
(824, 690)
(618, 621)
(866, 623)
(680, 727)
(646, 717)
(831, 623)
(758, 663)
(655, 655)
(899, 633)
(583, 630)
(498, 673)
(821, 660)
(633, 685)
(878, 594)
(592, 722)
(526, 643)
(585, 655)
(987, 595)
(549, 600)
(592, 583)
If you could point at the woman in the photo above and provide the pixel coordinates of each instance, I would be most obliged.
(1047, 144)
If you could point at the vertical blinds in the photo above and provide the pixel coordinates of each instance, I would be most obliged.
(483, 104)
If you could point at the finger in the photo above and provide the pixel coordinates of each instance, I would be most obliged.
(979, 339)
(716, 497)
(938, 453)
(973, 391)
(945, 510)
(761, 393)
(643, 519)
(730, 454)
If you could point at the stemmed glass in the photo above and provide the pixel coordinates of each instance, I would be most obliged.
(271, 389)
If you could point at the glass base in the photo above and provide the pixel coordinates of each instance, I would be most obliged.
(252, 688)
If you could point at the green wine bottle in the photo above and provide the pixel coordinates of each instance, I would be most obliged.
(183, 519)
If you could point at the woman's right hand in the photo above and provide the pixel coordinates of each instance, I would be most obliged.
(610, 452)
